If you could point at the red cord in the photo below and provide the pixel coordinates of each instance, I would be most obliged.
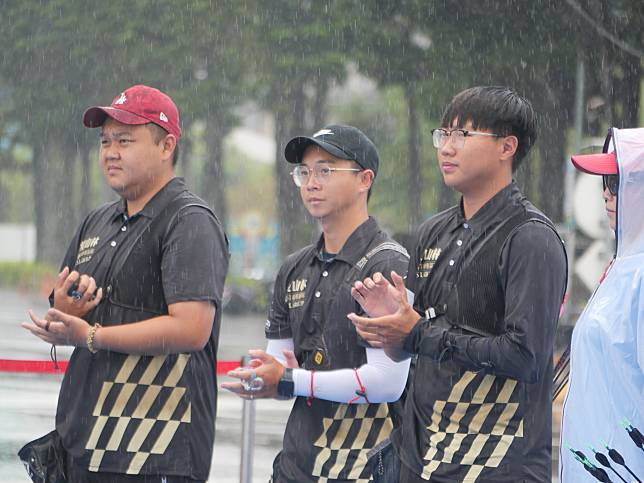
(601, 279)
(309, 401)
(361, 392)
(48, 367)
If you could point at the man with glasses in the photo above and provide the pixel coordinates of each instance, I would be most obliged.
(488, 276)
(342, 385)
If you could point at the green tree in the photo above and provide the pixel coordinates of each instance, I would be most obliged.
(209, 81)
(393, 50)
(523, 45)
(68, 55)
(610, 34)
(49, 58)
(298, 49)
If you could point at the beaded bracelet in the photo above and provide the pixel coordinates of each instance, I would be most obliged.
(90, 338)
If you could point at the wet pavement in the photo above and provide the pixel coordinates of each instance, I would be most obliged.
(28, 401)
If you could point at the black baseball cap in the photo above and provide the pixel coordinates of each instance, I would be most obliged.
(344, 142)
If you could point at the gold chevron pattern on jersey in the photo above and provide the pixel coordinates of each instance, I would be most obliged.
(346, 439)
(477, 432)
(166, 397)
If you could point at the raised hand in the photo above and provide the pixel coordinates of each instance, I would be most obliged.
(376, 295)
(76, 294)
(389, 331)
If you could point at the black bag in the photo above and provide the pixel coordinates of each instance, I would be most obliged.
(44, 459)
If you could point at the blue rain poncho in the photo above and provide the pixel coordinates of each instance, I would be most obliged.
(607, 353)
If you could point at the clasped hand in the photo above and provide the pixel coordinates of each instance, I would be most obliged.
(391, 317)
(264, 366)
(76, 300)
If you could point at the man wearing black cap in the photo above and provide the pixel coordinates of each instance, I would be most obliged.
(342, 385)
(139, 396)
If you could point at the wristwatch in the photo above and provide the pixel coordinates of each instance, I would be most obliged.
(286, 386)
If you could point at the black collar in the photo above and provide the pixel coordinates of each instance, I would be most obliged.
(354, 248)
(490, 211)
(156, 203)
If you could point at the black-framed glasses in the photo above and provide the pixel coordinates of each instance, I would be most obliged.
(322, 173)
(440, 136)
(611, 181)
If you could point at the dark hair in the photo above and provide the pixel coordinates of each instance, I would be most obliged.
(158, 133)
(498, 109)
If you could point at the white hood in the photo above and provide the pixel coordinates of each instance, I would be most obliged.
(629, 147)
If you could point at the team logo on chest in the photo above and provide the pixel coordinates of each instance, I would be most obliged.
(427, 262)
(295, 293)
(86, 249)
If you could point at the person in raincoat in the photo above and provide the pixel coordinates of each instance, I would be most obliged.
(606, 385)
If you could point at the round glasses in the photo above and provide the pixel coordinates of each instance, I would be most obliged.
(322, 173)
(611, 181)
(440, 136)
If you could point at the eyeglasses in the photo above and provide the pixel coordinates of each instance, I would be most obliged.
(440, 136)
(611, 181)
(322, 173)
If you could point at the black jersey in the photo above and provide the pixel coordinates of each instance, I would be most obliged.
(329, 441)
(134, 414)
(479, 404)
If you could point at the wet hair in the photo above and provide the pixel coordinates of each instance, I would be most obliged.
(158, 133)
(497, 109)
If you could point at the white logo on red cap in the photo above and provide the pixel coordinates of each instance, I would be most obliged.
(121, 100)
(163, 117)
(322, 132)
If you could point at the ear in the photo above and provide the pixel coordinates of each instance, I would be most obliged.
(169, 144)
(509, 145)
(366, 179)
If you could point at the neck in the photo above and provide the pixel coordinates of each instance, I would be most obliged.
(337, 229)
(137, 201)
(473, 200)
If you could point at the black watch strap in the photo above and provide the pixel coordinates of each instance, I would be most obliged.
(286, 386)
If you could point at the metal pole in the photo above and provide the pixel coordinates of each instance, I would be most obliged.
(570, 181)
(248, 436)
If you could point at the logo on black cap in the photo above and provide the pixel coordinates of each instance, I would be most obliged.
(344, 142)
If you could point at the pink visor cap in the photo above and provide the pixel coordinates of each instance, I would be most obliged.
(602, 163)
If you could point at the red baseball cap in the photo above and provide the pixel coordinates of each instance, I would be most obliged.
(138, 105)
(601, 163)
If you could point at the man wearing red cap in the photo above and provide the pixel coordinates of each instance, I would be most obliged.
(138, 399)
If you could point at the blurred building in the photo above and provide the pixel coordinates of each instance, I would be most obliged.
(18, 242)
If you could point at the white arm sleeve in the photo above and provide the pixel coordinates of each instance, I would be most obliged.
(383, 379)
